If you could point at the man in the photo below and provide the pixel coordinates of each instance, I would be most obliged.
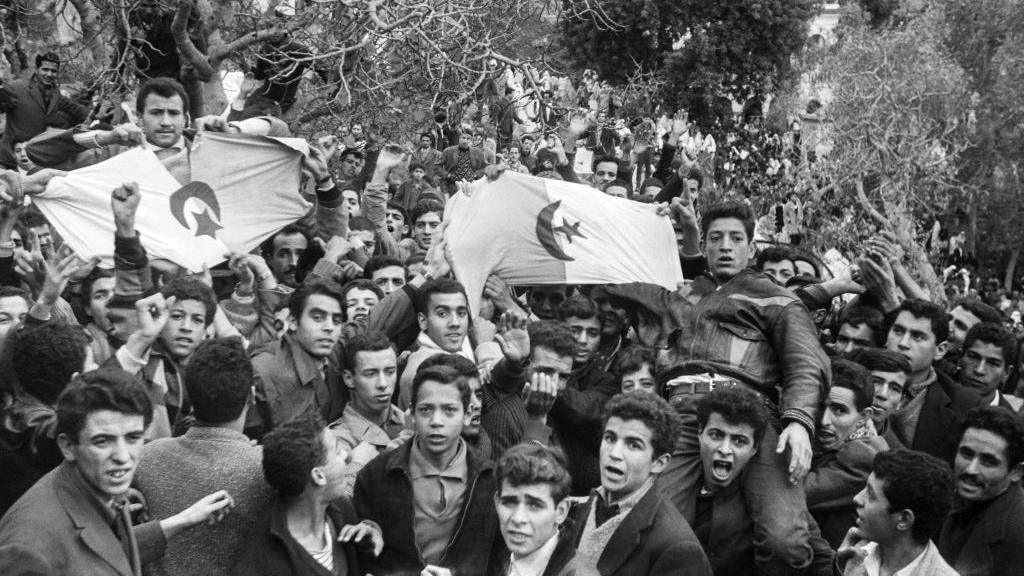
(733, 422)
(934, 406)
(14, 306)
(627, 527)
(964, 316)
(461, 162)
(776, 263)
(635, 370)
(396, 219)
(96, 290)
(158, 362)
(442, 313)
(386, 272)
(370, 423)
(545, 300)
(212, 455)
(844, 452)
(350, 163)
(984, 533)
(426, 221)
(904, 502)
(606, 171)
(360, 296)
(75, 520)
(43, 359)
(283, 251)
(428, 156)
(432, 495)
(35, 104)
(512, 404)
(311, 528)
(162, 105)
(618, 188)
(294, 374)
(889, 373)
(860, 327)
(985, 363)
(756, 334)
(575, 416)
(533, 505)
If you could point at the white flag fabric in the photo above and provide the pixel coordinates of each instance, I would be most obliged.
(532, 231)
(243, 190)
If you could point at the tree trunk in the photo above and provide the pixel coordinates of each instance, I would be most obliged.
(1011, 268)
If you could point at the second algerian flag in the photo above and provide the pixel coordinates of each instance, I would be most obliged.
(531, 231)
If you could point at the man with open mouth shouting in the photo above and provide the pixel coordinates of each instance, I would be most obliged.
(732, 423)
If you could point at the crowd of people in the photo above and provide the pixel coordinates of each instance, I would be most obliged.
(334, 403)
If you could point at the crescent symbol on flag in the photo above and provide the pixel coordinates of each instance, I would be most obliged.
(546, 235)
(198, 190)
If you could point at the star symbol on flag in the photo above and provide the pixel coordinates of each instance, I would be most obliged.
(569, 230)
(205, 225)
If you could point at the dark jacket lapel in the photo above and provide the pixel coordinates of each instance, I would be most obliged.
(628, 535)
(94, 531)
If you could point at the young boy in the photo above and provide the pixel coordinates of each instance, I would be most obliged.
(432, 495)
(627, 528)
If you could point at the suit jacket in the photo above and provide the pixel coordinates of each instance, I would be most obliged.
(59, 528)
(652, 540)
(29, 116)
(836, 476)
(945, 407)
(995, 544)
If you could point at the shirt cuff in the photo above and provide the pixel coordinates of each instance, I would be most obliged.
(129, 362)
(87, 139)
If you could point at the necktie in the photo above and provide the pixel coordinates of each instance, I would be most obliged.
(123, 529)
(604, 511)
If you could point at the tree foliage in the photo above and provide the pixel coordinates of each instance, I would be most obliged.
(730, 48)
(898, 126)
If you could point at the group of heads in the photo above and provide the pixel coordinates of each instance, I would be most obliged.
(920, 334)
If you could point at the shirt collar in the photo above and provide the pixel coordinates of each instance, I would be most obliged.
(179, 145)
(627, 503)
(534, 563)
(421, 467)
(996, 399)
(873, 561)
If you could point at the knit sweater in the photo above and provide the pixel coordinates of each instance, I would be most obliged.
(175, 472)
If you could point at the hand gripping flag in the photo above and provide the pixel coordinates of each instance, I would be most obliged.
(243, 190)
(531, 231)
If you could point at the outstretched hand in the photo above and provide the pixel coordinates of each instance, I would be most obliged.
(513, 338)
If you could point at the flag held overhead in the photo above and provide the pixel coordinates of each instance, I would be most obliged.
(532, 231)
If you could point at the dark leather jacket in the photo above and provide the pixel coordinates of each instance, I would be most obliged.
(749, 329)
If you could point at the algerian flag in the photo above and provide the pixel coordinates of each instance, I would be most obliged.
(243, 190)
(531, 231)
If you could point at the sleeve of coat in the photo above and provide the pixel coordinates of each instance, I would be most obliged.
(835, 483)
(688, 555)
(807, 372)
(19, 560)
